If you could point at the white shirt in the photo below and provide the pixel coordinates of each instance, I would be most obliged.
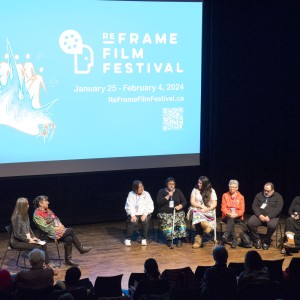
(198, 197)
(137, 205)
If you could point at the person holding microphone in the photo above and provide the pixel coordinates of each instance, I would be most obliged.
(171, 203)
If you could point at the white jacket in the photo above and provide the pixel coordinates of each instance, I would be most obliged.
(137, 205)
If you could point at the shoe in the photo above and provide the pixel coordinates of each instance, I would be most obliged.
(68, 256)
(79, 247)
(224, 239)
(233, 243)
(127, 242)
(169, 243)
(197, 242)
(257, 244)
(144, 242)
(69, 262)
(179, 243)
(290, 241)
(265, 246)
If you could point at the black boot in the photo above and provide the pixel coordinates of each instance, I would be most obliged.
(79, 247)
(224, 239)
(68, 256)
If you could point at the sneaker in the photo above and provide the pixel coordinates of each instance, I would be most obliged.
(144, 242)
(127, 243)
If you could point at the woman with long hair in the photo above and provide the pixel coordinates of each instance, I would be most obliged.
(22, 234)
(203, 203)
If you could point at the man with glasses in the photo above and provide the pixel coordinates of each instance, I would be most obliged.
(267, 206)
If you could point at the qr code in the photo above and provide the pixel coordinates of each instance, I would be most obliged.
(172, 118)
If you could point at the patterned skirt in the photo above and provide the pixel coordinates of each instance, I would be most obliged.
(167, 224)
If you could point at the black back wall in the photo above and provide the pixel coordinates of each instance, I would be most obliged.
(250, 124)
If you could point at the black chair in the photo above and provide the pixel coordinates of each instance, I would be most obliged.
(34, 294)
(109, 286)
(135, 277)
(275, 269)
(200, 271)
(237, 267)
(255, 292)
(9, 230)
(151, 229)
(44, 237)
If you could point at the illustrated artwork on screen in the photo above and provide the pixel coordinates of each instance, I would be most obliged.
(20, 102)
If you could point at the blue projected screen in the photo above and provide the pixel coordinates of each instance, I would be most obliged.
(91, 85)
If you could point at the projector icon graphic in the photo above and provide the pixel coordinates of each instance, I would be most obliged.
(71, 42)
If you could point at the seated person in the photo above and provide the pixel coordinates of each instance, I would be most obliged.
(267, 206)
(50, 224)
(70, 285)
(153, 285)
(171, 200)
(6, 284)
(233, 209)
(22, 234)
(219, 281)
(292, 228)
(139, 206)
(255, 271)
(37, 277)
(203, 203)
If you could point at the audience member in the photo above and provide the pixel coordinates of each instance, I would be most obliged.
(219, 281)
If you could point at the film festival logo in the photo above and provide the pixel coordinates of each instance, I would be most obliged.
(71, 42)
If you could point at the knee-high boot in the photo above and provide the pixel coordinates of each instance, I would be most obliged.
(68, 256)
(79, 246)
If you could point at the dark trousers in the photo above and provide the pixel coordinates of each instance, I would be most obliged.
(68, 237)
(254, 222)
(131, 226)
(293, 226)
(230, 226)
(29, 247)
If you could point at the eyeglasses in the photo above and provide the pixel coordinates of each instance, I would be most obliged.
(267, 191)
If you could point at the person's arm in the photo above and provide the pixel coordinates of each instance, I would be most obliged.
(278, 208)
(292, 206)
(42, 225)
(241, 206)
(255, 206)
(162, 197)
(149, 206)
(224, 207)
(129, 206)
(182, 199)
(17, 230)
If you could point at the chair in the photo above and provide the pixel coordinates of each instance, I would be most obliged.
(10, 247)
(151, 228)
(255, 291)
(135, 277)
(237, 267)
(200, 271)
(181, 279)
(44, 237)
(240, 223)
(109, 286)
(275, 269)
(214, 237)
(34, 294)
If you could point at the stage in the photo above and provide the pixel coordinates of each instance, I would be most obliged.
(109, 255)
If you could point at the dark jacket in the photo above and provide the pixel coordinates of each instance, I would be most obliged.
(295, 206)
(19, 230)
(163, 203)
(273, 208)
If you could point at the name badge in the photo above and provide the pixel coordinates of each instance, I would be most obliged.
(263, 206)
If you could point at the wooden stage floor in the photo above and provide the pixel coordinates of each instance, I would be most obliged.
(109, 255)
